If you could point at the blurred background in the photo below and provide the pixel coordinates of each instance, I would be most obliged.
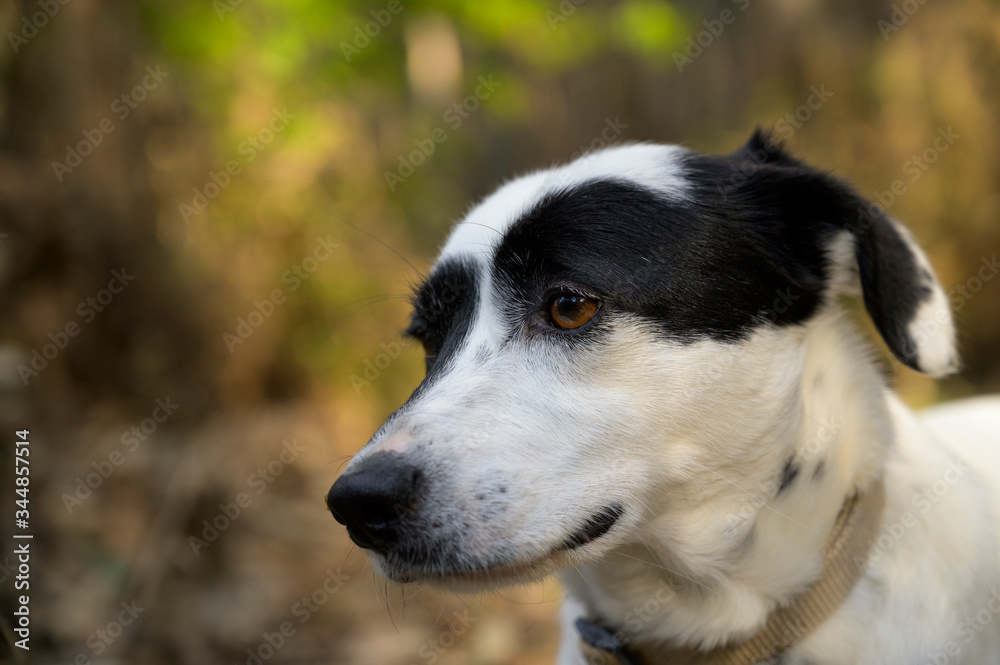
(211, 213)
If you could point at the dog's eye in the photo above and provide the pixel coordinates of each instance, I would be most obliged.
(571, 310)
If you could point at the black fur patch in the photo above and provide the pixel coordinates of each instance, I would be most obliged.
(788, 475)
(595, 527)
(443, 310)
(744, 245)
(891, 284)
(696, 268)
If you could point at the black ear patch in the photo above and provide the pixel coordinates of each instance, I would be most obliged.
(900, 293)
(892, 283)
(762, 148)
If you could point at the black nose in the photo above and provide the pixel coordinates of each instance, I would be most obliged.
(372, 500)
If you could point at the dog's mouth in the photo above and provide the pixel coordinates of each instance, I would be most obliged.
(595, 527)
(501, 573)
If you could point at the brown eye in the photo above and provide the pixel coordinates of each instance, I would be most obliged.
(570, 310)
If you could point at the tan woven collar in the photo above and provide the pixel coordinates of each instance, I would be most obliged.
(856, 527)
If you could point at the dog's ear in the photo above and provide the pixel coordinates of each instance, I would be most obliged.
(901, 293)
(763, 148)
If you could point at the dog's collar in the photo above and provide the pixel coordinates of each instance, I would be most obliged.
(846, 551)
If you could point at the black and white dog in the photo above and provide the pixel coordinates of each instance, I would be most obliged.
(639, 375)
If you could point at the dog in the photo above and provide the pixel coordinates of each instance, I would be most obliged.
(642, 375)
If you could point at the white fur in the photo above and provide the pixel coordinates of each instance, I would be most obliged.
(653, 166)
(524, 440)
(932, 328)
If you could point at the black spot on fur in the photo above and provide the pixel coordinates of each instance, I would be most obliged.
(818, 471)
(595, 527)
(443, 309)
(747, 542)
(788, 475)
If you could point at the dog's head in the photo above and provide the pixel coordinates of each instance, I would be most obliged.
(599, 333)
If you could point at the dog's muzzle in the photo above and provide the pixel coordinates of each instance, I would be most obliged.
(372, 500)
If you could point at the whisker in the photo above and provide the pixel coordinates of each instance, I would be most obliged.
(389, 247)
(589, 583)
(353, 550)
(388, 608)
(485, 226)
(528, 602)
(372, 300)
(656, 564)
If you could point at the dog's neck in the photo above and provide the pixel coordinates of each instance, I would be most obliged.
(721, 586)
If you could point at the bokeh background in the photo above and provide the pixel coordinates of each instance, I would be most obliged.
(268, 178)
